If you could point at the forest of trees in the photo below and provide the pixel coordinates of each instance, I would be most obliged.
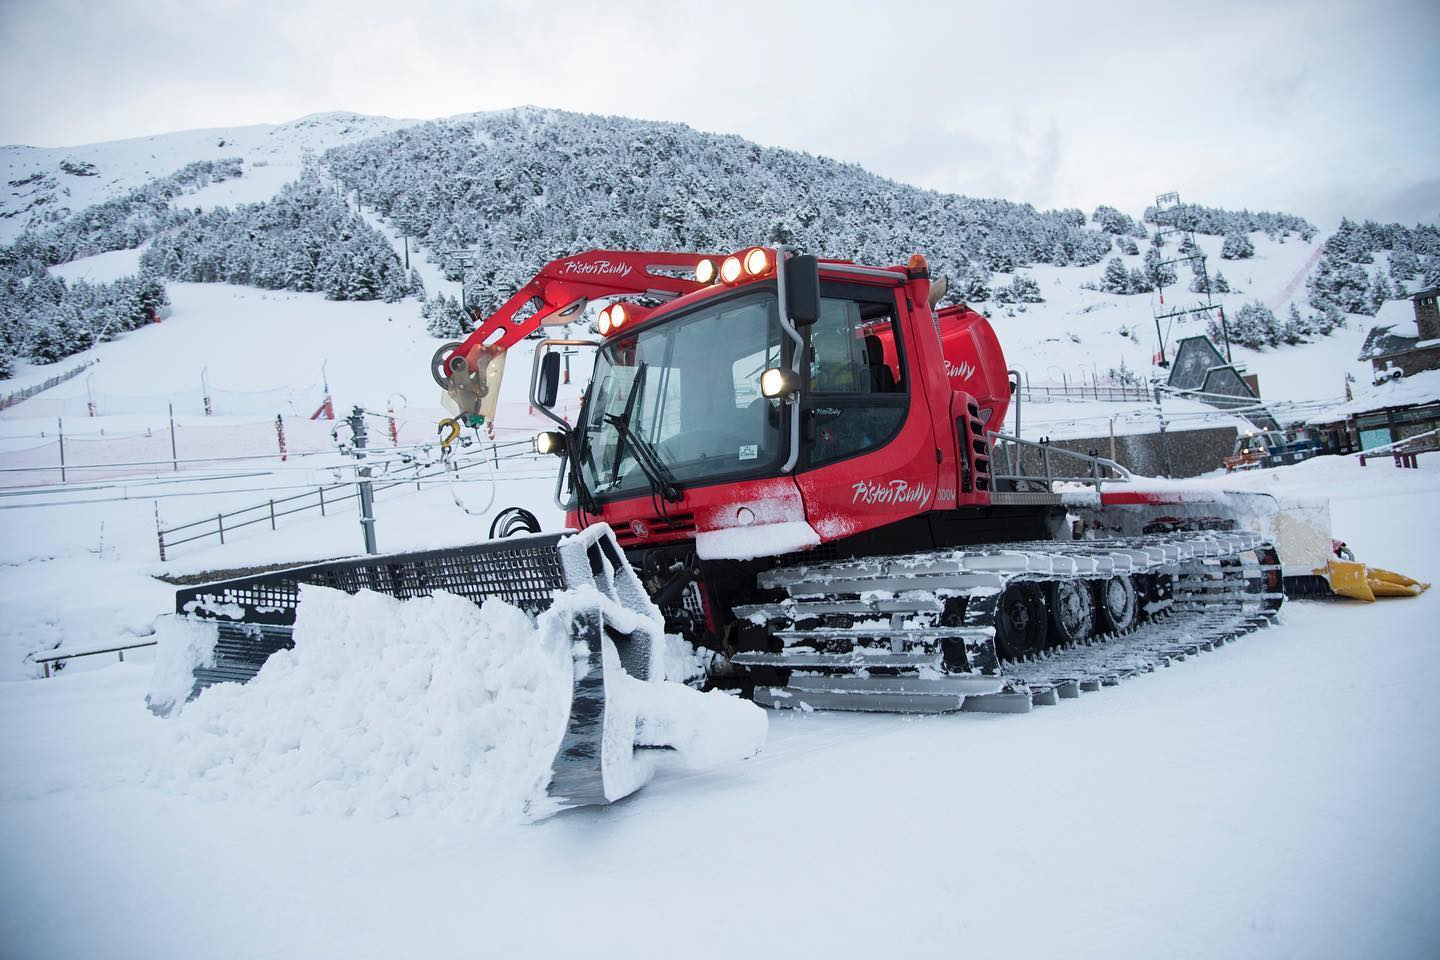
(126, 221)
(526, 186)
(45, 319)
(1341, 282)
(1216, 222)
(304, 239)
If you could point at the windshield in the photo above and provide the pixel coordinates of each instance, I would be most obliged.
(690, 390)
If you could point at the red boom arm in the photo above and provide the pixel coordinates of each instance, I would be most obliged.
(471, 371)
(564, 286)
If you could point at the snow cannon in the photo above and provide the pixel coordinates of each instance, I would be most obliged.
(579, 583)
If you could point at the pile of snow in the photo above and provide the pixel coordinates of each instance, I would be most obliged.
(384, 708)
(433, 707)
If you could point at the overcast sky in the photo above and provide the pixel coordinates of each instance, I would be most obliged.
(1322, 108)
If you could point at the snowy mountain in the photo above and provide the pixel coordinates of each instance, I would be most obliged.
(1072, 294)
(43, 185)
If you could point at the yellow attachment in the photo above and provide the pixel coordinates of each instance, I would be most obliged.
(1355, 580)
(1348, 580)
(454, 432)
(1388, 583)
(1389, 576)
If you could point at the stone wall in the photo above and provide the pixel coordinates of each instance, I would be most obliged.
(1192, 452)
(1411, 361)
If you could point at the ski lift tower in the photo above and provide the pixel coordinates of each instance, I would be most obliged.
(464, 259)
(1183, 224)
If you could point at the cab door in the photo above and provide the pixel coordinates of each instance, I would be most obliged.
(865, 461)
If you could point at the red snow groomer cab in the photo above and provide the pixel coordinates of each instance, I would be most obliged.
(804, 459)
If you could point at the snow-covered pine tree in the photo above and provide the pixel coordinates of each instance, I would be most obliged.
(417, 285)
(1024, 289)
(1344, 284)
(1236, 246)
(48, 342)
(1115, 278)
(1380, 291)
(1112, 221)
(444, 318)
(1431, 271)
(1295, 329)
(1256, 326)
(1128, 246)
(1404, 265)
(971, 285)
(1157, 272)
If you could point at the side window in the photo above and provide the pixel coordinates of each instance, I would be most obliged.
(852, 349)
(855, 389)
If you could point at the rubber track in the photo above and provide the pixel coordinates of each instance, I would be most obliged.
(1219, 592)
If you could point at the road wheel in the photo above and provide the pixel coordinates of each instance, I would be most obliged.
(1117, 605)
(1020, 622)
(1072, 610)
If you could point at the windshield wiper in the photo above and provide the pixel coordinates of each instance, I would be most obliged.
(661, 480)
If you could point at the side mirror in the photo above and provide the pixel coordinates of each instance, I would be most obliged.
(549, 386)
(802, 290)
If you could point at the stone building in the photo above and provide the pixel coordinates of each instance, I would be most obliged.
(1397, 349)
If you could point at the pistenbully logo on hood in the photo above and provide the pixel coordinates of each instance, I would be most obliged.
(598, 268)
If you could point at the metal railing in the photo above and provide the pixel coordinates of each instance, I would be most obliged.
(1111, 392)
(1097, 470)
(322, 498)
(46, 661)
(1406, 452)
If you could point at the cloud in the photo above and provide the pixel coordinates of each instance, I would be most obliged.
(1306, 106)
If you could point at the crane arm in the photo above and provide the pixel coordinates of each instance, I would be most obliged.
(470, 371)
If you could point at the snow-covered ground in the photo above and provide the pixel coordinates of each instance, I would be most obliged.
(1273, 798)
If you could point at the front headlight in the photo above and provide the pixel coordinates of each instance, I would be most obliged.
(779, 382)
(550, 441)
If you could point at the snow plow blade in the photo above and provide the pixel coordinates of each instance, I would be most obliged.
(616, 638)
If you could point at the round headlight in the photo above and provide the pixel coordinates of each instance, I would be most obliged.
(705, 271)
(617, 316)
(549, 441)
(604, 322)
(730, 269)
(757, 261)
(778, 382)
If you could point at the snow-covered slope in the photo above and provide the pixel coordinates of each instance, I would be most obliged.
(1270, 799)
(43, 184)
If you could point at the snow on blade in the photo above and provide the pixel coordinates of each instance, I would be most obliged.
(385, 708)
(431, 707)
